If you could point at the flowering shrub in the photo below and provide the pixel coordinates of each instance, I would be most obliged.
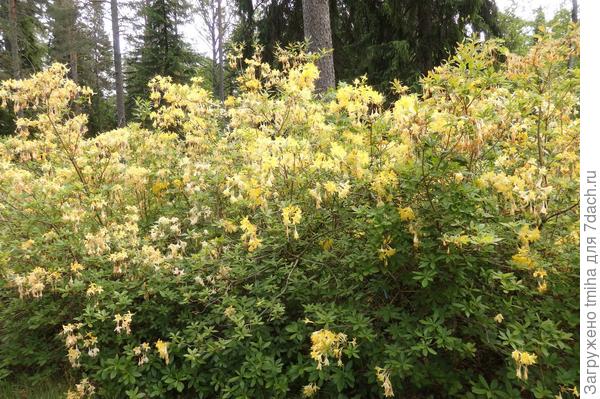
(284, 245)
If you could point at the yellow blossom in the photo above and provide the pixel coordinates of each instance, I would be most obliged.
(159, 186)
(76, 267)
(94, 289)
(249, 235)
(386, 251)
(27, 245)
(383, 377)
(406, 214)
(308, 391)
(522, 361)
(291, 215)
(326, 343)
(162, 348)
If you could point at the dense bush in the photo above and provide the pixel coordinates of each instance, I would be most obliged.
(284, 245)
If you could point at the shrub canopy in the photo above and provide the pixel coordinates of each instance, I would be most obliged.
(284, 245)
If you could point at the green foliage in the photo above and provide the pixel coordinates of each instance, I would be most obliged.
(281, 244)
(44, 389)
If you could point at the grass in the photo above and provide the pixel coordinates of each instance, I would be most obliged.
(21, 389)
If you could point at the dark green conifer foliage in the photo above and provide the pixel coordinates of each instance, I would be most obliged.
(385, 39)
(160, 50)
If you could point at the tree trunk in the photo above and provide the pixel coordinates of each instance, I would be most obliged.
(426, 38)
(574, 19)
(13, 39)
(220, 35)
(215, 63)
(70, 10)
(73, 64)
(317, 31)
(114, 12)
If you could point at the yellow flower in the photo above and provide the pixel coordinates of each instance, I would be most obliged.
(326, 244)
(439, 122)
(386, 251)
(159, 186)
(94, 289)
(383, 377)
(338, 152)
(326, 343)
(406, 214)
(123, 322)
(73, 356)
(229, 101)
(162, 348)
(229, 226)
(291, 215)
(229, 312)
(76, 267)
(523, 259)
(250, 236)
(252, 84)
(542, 287)
(459, 241)
(499, 318)
(527, 235)
(540, 273)
(26, 245)
(330, 187)
(308, 391)
(405, 106)
(522, 361)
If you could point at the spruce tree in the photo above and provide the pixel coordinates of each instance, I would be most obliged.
(385, 39)
(160, 50)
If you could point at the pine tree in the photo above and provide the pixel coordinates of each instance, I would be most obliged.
(21, 22)
(385, 39)
(97, 67)
(21, 48)
(65, 40)
(161, 49)
(78, 38)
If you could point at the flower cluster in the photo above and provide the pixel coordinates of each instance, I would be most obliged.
(522, 361)
(326, 343)
(291, 215)
(250, 235)
(383, 377)
(141, 351)
(84, 389)
(33, 283)
(123, 322)
(163, 350)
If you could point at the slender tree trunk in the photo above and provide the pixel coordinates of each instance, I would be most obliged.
(73, 64)
(215, 63)
(114, 13)
(425, 35)
(220, 28)
(14, 39)
(71, 53)
(317, 31)
(574, 19)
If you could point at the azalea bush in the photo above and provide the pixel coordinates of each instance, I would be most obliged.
(288, 244)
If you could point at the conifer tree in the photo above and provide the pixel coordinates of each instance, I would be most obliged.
(160, 50)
